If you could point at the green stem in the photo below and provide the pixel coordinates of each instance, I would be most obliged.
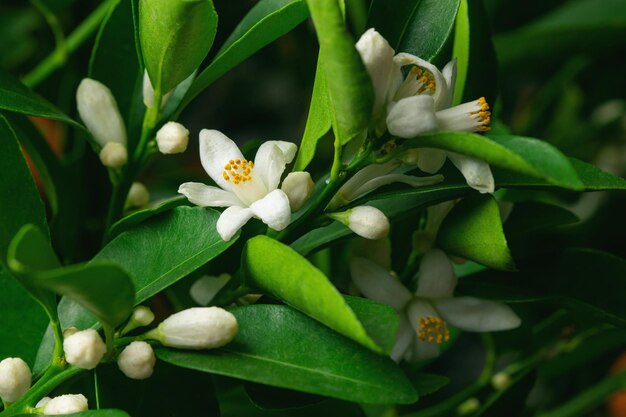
(57, 354)
(109, 335)
(337, 164)
(79, 36)
(55, 27)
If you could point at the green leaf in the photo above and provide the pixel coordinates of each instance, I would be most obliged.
(350, 92)
(277, 269)
(513, 397)
(318, 122)
(419, 27)
(21, 203)
(524, 155)
(140, 216)
(280, 347)
(22, 322)
(102, 413)
(473, 230)
(380, 320)
(176, 36)
(16, 97)
(267, 21)
(461, 50)
(528, 218)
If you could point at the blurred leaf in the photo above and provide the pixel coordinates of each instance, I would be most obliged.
(280, 271)
(102, 413)
(350, 93)
(380, 320)
(511, 400)
(531, 217)
(461, 50)
(473, 230)
(426, 384)
(138, 217)
(267, 21)
(274, 398)
(20, 200)
(281, 347)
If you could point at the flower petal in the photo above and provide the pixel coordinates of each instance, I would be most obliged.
(431, 160)
(216, 149)
(206, 288)
(411, 116)
(476, 172)
(273, 210)
(449, 74)
(231, 220)
(270, 161)
(347, 192)
(404, 338)
(436, 277)
(422, 350)
(207, 196)
(377, 284)
(441, 87)
(473, 314)
(411, 180)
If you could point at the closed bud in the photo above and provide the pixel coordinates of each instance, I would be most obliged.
(365, 221)
(98, 109)
(114, 155)
(298, 186)
(500, 381)
(138, 195)
(69, 331)
(197, 328)
(137, 360)
(172, 138)
(84, 349)
(142, 316)
(15, 379)
(148, 93)
(206, 288)
(63, 404)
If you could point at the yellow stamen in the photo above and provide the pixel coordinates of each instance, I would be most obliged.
(433, 330)
(239, 170)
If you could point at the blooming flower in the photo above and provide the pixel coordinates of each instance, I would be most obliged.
(422, 103)
(248, 189)
(425, 314)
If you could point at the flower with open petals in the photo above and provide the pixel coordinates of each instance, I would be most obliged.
(248, 189)
(425, 314)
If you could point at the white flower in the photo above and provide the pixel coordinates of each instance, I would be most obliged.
(113, 155)
(197, 328)
(365, 221)
(298, 186)
(63, 404)
(138, 195)
(422, 103)
(424, 315)
(137, 360)
(172, 138)
(206, 288)
(142, 316)
(84, 349)
(15, 379)
(248, 189)
(148, 93)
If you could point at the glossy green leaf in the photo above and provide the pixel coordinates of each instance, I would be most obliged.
(380, 320)
(265, 22)
(528, 218)
(136, 218)
(16, 97)
(282, 347)
(473, 230)
(461, 50)
(524, 155)
(278, 270)
(350, 93)
(22, 322)
(21, 203)
(176, 36)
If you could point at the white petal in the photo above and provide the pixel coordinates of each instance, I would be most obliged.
(441, 87)
(476, 172)
(270, 161)
(206, 196)
(404, 338)
(436, 277)
(273, 210)
(411, 116)
(473, 314)
(377, 284)
(473, 116)
(371, 185)
(206, 288)
(216, 149)
(347, 192)
(422, 351)
(231, 220)
(431, 160)
(449, 74)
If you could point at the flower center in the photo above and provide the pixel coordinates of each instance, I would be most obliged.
(433, 330)
(238, 170)
(484, 114)
(418, 81)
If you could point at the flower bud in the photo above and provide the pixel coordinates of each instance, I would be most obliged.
(172, 137)
(197, 328)
(15, 379)
(137, 360)
(63, 404)
(84, 349)
(148, 93)
(138, 195)
(142, 316)
(298, 186)
(69, 331)
(500, 381)
(98, 109)
(206, 288)
(113, 155)
(365, 221)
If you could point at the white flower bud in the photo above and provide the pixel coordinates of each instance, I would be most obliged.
(143, 316)
(197, 328)
(137, 360)
(64, 404)
(84, 349)
(172, 137)
(500, 381)
(298, 186)
(206, 288)
(148, 93)
(113, 155)
(69, 331)
(98, 109)
(365, 221)
(15, 379)
(138, 195)
(43, 402)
